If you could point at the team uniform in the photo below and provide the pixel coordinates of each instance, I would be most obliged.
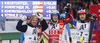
(54, 31)
(56, 28)
(31, 35)
(83, 30)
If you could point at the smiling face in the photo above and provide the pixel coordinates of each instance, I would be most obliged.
(55, 18)
(82, 16)
(34, 20)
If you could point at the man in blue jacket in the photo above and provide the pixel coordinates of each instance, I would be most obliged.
(22, 34)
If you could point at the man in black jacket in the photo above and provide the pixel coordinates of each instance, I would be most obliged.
(32, 30)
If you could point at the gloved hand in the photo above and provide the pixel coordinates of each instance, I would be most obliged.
(82, 39)
(40, 16)
(70, 40)
(93, 17)
(23, 18)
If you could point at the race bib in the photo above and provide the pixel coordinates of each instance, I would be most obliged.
(83, 34)
(30, 39)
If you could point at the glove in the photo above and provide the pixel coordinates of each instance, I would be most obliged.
(23, 18)
(93, 17)
(40, 16)
(70, 40)
(82, 39)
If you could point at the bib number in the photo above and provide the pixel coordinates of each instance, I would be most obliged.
(81, 33)
(82, 27)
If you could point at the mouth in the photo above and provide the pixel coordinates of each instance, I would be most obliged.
(34, 23)
(82, 17)
(55, 18)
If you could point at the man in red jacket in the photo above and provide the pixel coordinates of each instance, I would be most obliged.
(55, 27)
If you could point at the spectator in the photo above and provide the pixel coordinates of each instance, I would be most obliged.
(77, 5)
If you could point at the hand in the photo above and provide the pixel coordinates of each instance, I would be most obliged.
(70, 40)
(23, 18)
(40, 16)
(93, 17)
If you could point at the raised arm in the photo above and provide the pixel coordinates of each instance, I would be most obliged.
(20, 27)
(69, 19)
(73, 23)
(44, 25)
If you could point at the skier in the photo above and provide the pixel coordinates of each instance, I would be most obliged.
(22, 34)
(55, 27)
(66, 37)
(32, 31)
(85, 26)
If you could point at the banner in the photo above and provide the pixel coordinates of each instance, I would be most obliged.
(28, 8)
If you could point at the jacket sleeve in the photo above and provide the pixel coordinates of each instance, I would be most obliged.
(22, 37)
(68, 29)
(97, 25)
(69, 19)
(44, 25)
(20, 27)
(73, 22)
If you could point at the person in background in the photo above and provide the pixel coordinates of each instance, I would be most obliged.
(66, 37)
(22, 34)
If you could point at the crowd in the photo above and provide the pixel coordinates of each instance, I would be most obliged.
(75, 5)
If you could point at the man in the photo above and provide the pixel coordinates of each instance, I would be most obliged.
(84, 26)
(66, 37)
(22, 34)
(55, 27)
(32, 30)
